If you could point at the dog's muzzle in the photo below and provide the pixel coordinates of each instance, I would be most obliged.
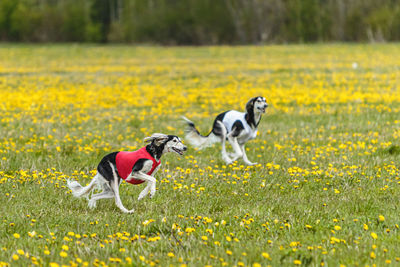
(262, 109)
(180, 151)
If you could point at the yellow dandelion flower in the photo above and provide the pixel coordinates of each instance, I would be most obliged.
(266, 255)
(297, 262)
(15, 257)
(16, 235)
(63, 254)
(374, 235)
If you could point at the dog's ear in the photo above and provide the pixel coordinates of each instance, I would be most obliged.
(250, 105)
(157, 138)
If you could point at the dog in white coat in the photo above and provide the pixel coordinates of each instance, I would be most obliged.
(234, 126)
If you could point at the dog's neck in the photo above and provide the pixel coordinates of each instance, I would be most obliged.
(253, 119)
(155, 151)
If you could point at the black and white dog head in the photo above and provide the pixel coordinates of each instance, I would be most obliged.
(162, 143)
(256, 105)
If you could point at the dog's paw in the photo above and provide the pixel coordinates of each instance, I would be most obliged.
(124, 210)
(92, 204)
(249, 163)
(227, 159)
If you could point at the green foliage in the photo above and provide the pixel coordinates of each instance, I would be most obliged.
(199, 22)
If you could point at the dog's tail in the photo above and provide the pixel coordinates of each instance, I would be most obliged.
(194, 137)
(80, 191)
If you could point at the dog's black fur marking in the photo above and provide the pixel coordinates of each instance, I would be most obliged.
(191, 125)
(250, 113)
(105, 169)
(216, 129)
(155, 151)
(237, 128)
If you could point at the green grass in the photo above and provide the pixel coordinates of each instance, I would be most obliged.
(328, 167)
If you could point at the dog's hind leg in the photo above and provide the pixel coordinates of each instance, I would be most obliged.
(235, 145)
(237, 130)
(106, 192)
(114, 184)
(80, 191)
(225, 156)
(102, 195)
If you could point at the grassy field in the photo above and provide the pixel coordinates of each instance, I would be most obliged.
(326, 191)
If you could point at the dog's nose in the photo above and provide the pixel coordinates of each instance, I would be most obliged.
(266, 105)
(184, 148)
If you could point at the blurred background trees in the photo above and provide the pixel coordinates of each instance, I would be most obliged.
(199, 22)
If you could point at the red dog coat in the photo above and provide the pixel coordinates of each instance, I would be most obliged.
(126, 160)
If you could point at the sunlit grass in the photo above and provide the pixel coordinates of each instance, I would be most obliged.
(325, 191)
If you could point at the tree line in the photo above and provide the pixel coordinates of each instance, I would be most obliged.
(199, 22)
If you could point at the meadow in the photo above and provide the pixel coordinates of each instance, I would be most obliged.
(325, 191)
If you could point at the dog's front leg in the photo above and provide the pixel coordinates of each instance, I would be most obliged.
(144, 192)
(245, 159)
(151, 184)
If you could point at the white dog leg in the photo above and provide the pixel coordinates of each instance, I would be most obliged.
(102, 195)
(245, 159)
(235, 145)
(118, 201)
(225, 156)
(115, 188)
(144, 192)
(80, 191)
(150, 187)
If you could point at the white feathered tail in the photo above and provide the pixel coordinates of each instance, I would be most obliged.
(198, 140)
(80, 191)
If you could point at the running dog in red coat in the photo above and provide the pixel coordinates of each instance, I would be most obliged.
(134, 167)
